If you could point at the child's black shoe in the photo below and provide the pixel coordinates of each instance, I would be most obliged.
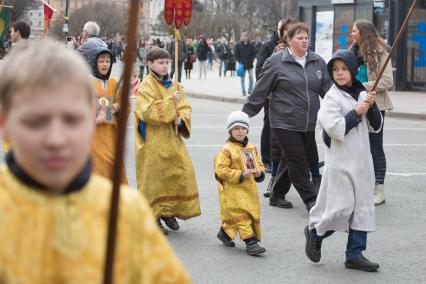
(171, 222)
(164, 230)
(253, 248)
(225, 239)
(362, 264)
(312, 247)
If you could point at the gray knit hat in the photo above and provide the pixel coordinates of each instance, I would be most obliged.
(238, 118)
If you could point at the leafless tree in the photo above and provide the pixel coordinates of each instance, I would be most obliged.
(20, 7)
(110, 18)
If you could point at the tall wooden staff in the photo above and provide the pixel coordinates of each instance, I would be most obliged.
(180, 11)
(129, 55)
(395, 43)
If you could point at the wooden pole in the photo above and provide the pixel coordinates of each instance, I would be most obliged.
(120, 142)
(176, 74)
(395, 43)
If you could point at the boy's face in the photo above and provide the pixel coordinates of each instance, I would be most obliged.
(159, 66)
(50, 130)
(15, 36)
(103, 63)
(341, 74)
(239, 133)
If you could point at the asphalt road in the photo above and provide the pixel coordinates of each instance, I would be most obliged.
(398, 245)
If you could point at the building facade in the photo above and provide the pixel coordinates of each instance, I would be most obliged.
(331, 22)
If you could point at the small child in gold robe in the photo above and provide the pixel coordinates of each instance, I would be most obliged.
(237, 169)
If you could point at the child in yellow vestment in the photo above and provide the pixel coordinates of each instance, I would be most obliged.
(53, 210)
(164, 170)
(108, 107)
(237, 169)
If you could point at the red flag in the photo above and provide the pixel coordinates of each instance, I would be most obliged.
(187, 11)
(48, 13)
(169, 11)
(178, 10)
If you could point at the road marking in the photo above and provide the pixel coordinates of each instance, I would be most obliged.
(406, 174)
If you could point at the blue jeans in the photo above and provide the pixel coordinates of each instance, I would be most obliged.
(243, 78)
(357, 242)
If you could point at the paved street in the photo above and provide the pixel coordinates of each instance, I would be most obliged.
(397, 245)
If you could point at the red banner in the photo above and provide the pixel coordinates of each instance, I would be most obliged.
(179, 11)
(48, 13)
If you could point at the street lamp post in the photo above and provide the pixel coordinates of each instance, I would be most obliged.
(66, 28)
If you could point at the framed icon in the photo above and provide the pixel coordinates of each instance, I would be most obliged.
(249, 160)
(104, 109)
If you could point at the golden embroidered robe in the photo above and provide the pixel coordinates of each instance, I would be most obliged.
(164, 169)
(239, 202)
(103, 143)
(47, 238)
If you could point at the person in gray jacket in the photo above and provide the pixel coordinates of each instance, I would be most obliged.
(90, 40)
(295, 79)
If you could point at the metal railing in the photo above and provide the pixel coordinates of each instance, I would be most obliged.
(418, 73)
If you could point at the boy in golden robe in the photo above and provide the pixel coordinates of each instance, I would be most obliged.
(238, 198)
(164, 169)
(53, 210)
(106, 127)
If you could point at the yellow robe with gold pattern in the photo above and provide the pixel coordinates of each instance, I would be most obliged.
(164, 169)
(239, 202)
(46, 238)
(103, 143)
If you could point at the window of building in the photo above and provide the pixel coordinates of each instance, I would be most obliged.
(343, 22)
(364, 11)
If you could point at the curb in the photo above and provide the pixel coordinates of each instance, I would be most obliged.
(242, 100)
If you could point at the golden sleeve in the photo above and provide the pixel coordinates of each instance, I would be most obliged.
(259, 161)
(152, 110)
(184, 109)
(153, 258)
(223, 170)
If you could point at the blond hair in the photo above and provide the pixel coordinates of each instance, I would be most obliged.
(41, 64)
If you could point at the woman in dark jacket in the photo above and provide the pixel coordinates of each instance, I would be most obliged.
(202, 50)
(231, 59)
(294, 79)
(190, 58)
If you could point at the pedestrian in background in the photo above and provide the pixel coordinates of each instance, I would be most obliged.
(245, 54)
(222, 51)
(232, 60)
(202, 51)
(190, 58)
(181, 57)
(237, 176)
(141, 58)
(345, 200)
(90, 40)
(371, 50)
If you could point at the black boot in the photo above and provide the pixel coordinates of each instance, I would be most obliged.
(280, 202)
(312, 247)
(253, 248)
(310, 204)
(362, 264)
(171, 222)
(225, 239)
(164, 230)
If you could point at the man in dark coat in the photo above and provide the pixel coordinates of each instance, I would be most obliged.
(245, 54)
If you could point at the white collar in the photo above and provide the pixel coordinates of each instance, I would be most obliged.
(291, 52)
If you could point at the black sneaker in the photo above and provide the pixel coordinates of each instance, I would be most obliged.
(362, 264)
(171, 222)
(281, 203)
(253, 248)
(312, 247)
(225, 239)
(164, 230)
(310, 204)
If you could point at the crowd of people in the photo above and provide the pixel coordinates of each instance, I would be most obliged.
(60, 154)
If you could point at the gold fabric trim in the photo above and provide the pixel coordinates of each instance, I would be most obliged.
(174, 198)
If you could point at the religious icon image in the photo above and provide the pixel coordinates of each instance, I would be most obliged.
(104, 109)
(249, 160)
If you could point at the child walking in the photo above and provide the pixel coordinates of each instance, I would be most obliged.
(237, 169)
(345, 200)
(164, 170)
(107, 100)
